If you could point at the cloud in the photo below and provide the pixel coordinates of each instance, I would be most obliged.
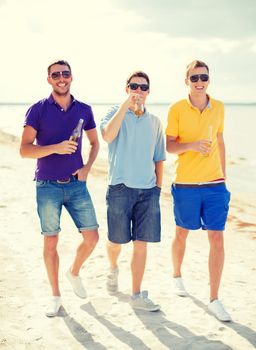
(196, 18)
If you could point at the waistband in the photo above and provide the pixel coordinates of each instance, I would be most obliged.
(67, 180)
(199, 185)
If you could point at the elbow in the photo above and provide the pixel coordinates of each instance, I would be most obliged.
(169, 149)
(22, 153)
(106, 137)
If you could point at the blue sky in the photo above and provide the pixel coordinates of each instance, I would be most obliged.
(104, 40)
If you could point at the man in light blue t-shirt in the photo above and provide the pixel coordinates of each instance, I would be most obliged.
(136, 154)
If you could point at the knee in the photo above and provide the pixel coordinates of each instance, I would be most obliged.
(50, 245)
(181, 235)
(139, 247)
(216, 240)
(116, 247)
(91, 238)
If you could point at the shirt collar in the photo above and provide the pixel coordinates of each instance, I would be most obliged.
(209, 105)
(52, 101)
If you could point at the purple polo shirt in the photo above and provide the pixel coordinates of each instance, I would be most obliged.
(54, 125)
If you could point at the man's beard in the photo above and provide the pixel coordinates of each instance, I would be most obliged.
(61, 93)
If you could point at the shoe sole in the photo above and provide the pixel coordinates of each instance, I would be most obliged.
(157, 308)
(219, 319)
(48, 314)
(111, 289)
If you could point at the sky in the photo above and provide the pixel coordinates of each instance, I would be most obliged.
(105, 40)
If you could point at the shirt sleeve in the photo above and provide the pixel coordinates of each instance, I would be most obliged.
(172, 128)
(90, 122)
(32, 117)
(108, 116)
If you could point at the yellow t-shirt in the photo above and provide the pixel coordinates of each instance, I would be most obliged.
(188, 124)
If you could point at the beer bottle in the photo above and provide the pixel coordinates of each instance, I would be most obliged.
(76, 133)
(138, 109)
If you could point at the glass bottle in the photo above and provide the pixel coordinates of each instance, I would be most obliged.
(76, 133)
(209, 139)
(138, 108)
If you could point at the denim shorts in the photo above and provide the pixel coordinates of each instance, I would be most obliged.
(52, 196)
(133, 214)
(204, 206)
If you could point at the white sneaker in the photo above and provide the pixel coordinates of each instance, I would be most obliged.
(178, 287)
(142, 302)
(112, 281)
(77, 285)
(218, 310)
(53, 307)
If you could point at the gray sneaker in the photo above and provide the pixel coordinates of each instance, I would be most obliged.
(142, 302)
(112, 281)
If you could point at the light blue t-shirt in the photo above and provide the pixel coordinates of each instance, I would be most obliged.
(133, 153)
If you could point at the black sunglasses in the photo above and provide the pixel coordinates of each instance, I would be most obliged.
(135, 86)
(65, 74)
(196, 77)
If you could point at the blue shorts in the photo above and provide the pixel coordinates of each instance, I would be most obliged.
(52, 196)
(133, 214)
(203, 206)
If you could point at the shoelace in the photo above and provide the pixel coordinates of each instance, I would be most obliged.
(148, 301)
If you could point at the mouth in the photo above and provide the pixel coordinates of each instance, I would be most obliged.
(199, 87)
(61, 85)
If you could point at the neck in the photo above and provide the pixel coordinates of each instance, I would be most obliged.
(63, 100)
(199, 101)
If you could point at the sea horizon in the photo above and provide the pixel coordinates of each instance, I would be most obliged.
(12, 103)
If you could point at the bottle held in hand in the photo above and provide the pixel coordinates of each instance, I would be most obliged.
(76, 133)
(138, 108)
(209, 139)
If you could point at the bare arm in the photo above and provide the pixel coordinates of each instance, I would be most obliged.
(93, 152)
(110, 131)
(29, 150)
(159, 166)
(173, 146)
(221, 145)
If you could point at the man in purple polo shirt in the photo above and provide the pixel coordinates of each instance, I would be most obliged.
(61, 174)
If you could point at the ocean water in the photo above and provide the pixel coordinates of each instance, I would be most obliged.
(239, 135)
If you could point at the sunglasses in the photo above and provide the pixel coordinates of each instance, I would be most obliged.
(135, 86)
(196, 77)
(65, 74)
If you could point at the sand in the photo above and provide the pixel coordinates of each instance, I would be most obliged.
(108, 322)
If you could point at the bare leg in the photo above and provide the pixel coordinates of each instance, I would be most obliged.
(51, 260)
(216, 261)
(138, 264)
(113, 251)
(84, 250)
(178, 249)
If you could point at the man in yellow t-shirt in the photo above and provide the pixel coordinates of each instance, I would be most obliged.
(201, 200)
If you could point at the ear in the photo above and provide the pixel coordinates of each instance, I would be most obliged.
(186, 81)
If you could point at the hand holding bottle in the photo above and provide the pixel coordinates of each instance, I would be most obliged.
(208, 142)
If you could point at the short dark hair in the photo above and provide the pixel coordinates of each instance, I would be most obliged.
(139, 74)
(61, 62)
(196, 64)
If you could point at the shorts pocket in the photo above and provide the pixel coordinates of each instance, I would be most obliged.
(40, 183)
(117, 188)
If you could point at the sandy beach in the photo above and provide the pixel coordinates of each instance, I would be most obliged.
(108, 322)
